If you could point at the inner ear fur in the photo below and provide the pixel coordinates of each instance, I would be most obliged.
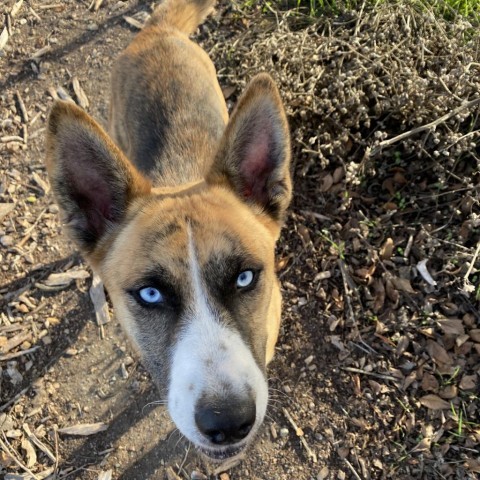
(254, 154)
(92, 180)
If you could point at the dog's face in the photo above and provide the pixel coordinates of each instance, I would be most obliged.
(192, 278)
(189, 268)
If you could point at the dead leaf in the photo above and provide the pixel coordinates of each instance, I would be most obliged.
(473, 465)
(402, 284)
(448, 392)
(338, 174)
(475, 334)
(327, 183)
(386, 250)
(468, 382)
(434, 402)
(429, 383)
(438, 353)
(423, 446)
(379, 290)
(228, 91)
(391, 291)
(84, 429)
(452, 326)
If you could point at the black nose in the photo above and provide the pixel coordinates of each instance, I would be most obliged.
(227, 423)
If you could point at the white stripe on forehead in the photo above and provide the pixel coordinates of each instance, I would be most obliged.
(201, 307)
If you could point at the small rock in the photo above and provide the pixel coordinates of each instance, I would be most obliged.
(196, 475)
(71, 352)
(53, 208)
(6, 241)
(92, 27)
(284, 432)
(309, 360)
(224, 476)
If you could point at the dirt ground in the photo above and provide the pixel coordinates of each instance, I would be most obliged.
(377, 370)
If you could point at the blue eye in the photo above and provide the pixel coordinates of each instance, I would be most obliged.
(150, 295)
(245, 279)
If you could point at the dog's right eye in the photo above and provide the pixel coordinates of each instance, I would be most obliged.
(150, 295)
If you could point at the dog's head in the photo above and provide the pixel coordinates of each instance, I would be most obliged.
(189, 268)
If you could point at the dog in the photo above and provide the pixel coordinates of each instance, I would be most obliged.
(178, 210)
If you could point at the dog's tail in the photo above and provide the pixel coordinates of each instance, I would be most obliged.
(185, 15)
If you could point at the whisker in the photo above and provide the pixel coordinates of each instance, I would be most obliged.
(155, 402)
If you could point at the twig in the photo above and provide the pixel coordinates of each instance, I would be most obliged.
(21, 104)
(300, 434)
(350, 466)
(28, 233)
(348, 289)
(428, 126)
(370, 374)
(14, 399)
(9, 356)
(34, 439)
(50, 6)
(472, 263)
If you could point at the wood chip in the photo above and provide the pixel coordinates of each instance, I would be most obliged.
(30, 453)
(40, 53)
(97, 295)
(82, 99)
(5, 209)
(63, 95)
(16, 8)
(4, 38)
(105, 475)
(133, 22)
(84, 429)
(64, 279)
(171, 475)
(45, 186)
(15, 341)
(386, 251)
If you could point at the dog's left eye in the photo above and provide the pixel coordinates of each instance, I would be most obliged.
(245, 279)
(150, 295)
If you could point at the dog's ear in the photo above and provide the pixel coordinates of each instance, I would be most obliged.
(254, 154)
(92, 180)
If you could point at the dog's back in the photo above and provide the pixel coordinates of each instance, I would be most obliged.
(167, 111)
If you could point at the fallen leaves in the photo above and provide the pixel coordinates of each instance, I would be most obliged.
(434, 402)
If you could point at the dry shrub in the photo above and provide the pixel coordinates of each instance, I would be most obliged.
(350, 83)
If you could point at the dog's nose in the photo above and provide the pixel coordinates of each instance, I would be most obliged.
(228, 423)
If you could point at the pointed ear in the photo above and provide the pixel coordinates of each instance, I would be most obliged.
(254, 154)
(92, 180)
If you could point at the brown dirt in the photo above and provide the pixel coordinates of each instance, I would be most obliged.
(378, 368)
